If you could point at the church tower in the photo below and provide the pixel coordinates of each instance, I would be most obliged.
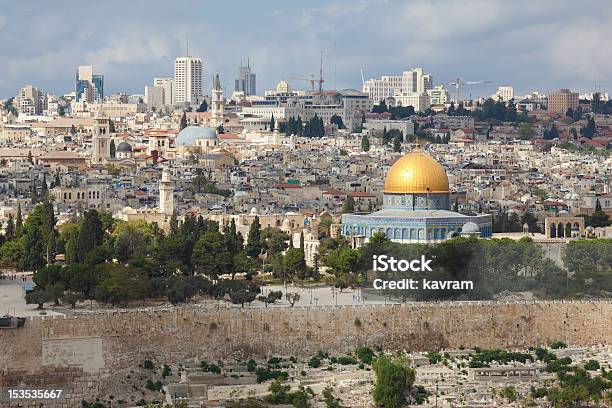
(166, 193)
(101, 138)
(217, 102)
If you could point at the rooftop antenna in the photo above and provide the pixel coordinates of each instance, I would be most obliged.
(335, 63)
(321, 73)
(362, 78)
(187, 44)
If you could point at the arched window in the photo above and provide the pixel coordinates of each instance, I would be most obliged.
(553, 231)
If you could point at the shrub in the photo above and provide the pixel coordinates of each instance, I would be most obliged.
(166, 371)
(346, 360)
(558, 345)
(330, 400)
(365, 354)
(591, 365)
(153, 386)
(314, 362)
(148, 364)
(265, 374)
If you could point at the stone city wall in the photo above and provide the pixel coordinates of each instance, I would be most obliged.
(99, 343)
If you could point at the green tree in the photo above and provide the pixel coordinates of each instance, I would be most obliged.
(273, 241)
(203, 107)
(525, 131)
(589, 129)
(113, 149)
(365, 143)
(393, 381)
(90, 234)
(253, 245)
(111, 127)
(294, 265)
(349, 205)
(19, 219)
(337, 120)
(183, 123)
(397, 144)
(210, 256)
(272, 122)
(9, 233)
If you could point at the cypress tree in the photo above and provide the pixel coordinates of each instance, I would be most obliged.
(365, 143)
(183, 124)
(9, 234)
(19, 219)
(253, 246)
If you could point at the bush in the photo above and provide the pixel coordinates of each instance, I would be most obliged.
(346, 360)
(330, 400)
(210, 367)
(314, 362)
(279, 394)
(153, 386)
(558, 345)
(591, 365)
(148, 364)
(166, 371)
(265, 374)
(365, 354)
(251, 365)
(509, 393)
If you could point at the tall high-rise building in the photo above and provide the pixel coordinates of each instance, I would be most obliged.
(30, 101)
(188, 80)
(246, 81)
(414, 81)
(88, 86)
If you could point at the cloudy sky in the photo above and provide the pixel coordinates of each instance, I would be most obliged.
(532, 45)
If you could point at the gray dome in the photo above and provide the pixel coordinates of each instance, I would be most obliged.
(470, 228)
(124, 147)
(190, 135)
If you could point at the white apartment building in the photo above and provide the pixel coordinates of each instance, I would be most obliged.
(419, 101)
(168, 86)
(414, 81)
(438, 95)
(188, 80)
(504, 94)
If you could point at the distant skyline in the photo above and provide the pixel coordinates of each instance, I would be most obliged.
(543, 45)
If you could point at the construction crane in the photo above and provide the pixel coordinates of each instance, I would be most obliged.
(312, 79)
(459, 83)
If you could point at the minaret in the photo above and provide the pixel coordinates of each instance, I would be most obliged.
(217, 102)
(166, 193)
(101, 139)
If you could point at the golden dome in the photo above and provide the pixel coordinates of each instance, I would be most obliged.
(416, 172)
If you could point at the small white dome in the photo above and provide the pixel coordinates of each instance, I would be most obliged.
(470, 228)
